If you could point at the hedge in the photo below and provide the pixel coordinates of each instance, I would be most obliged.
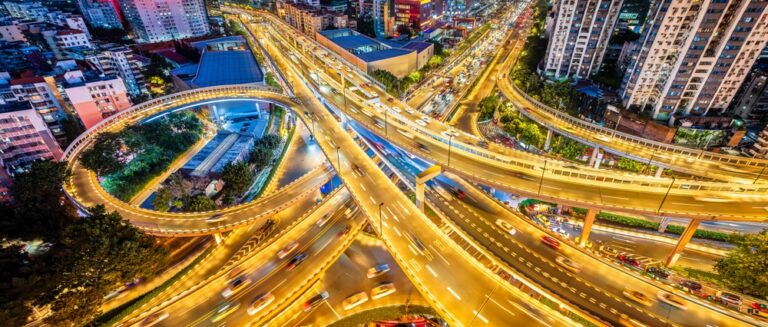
(614, 219)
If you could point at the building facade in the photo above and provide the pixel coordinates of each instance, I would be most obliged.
(579, 37)
(694, 56)
(25, 136)
(39, 92)
(95, 97)
(101, 13)
(164, 20)
(122, 62)
(413, 12)
(310, 20)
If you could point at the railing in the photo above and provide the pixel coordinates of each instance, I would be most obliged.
(651, 145)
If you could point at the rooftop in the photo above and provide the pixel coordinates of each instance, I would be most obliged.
(227, 67)
(383, 54)
(417, 45)
(363, 47)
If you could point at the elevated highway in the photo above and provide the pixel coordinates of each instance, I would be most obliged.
(84, 190)
(529, 175)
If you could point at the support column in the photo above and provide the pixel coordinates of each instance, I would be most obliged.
(593, 158)
(421, 180)
(548, 141)
(663, 223)
(218, 238)
(682, 242)
(659, 170)
(598, 160)
(589, 219)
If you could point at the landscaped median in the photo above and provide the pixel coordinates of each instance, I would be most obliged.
(389, 313)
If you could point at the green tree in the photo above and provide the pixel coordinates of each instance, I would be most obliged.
(39, 207)
(745, 268)
(270, 141)
(568, 148)
(105, 157)
(487, 105)
(162, 200)
(200, 203)
(99, 253)
(237, 177)
(630, 165)
(22, 280)
(260, 156)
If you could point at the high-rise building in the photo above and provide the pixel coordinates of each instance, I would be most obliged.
(117, 60)
(25, 138)
(164, 20)
(413, 12)
(95, 97)
(101, 13)
(311, 20)
(40, 93)
(580, 37)
(694, 55)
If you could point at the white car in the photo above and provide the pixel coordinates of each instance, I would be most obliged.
(354, 300)
(382, 290)
(284, 252)
(568, 264)
(506, 226)
(236, 285)
(410, 111)
(672, 300)
(421, 122)
(395, 109)
(260, 302)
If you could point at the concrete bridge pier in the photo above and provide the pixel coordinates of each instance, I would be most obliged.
(682, 242)
(548, 142)
(421, 180)
(589, 220)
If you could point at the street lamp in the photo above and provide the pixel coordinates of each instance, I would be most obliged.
(617, 126)
(648, 165)
(381, 224)
(450, 142)
(541, 180)
(385, 122)
(665, 195)
(760, 175)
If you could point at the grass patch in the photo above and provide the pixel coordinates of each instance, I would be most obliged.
(700, 275)
(385, 313)
(111, 317)
(279, 160)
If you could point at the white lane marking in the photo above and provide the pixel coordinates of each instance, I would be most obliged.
(432, 271)
(688, 204)
(440, 255)
(503, 308)
(615, 197)
(334, 311)
(552, 187)
(454, 293)
(404, 208)
(480, 316)
(278, 285)
(412, 249)
(363, 187)
(393, 214)
(397, 231)
(372, 200)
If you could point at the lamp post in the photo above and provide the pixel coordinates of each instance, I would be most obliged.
(541, 180)
(385, 122)
(381, 225)
(760, 175)
(618, 122)
(665, 195)
(450, 143)
(338, 162)
(648, 165)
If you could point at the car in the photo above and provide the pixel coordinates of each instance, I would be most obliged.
(690, 285)
(560, 231)
(367, 113)
(297, 260)
(672, 300)
(423, 148)
(638, 297)
(225, 310)
(344, 231)
(730, 299)
(421, 122)
(568, 264)
(390, 99)
(626, 321)
(315, 301)
(483, 144)
(457, 192)
(215, 218)
(395, 110)
(506, 226)
(321, 222)
(260, 302)
(551, 242)
(284, 252)
(354, 300)
(410, 111)
(609, 251)
(382, 289)
(603, 138)
(657, 272)
(236, 285)
(153, 319)
(377, 270)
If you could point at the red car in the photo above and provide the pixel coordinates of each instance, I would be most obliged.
(551, 242)
(343, 232)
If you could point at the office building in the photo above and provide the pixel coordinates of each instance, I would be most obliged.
(93, 96)
(310, 20)
(40, 93)
(413, 12)
(579, 38)
(101, 13)
(163, 20)
(694, 56)
(26, 138)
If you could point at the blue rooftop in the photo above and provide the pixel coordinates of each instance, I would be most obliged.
(382, 54)
(226, 68)
(354, 42)
(417, 45)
